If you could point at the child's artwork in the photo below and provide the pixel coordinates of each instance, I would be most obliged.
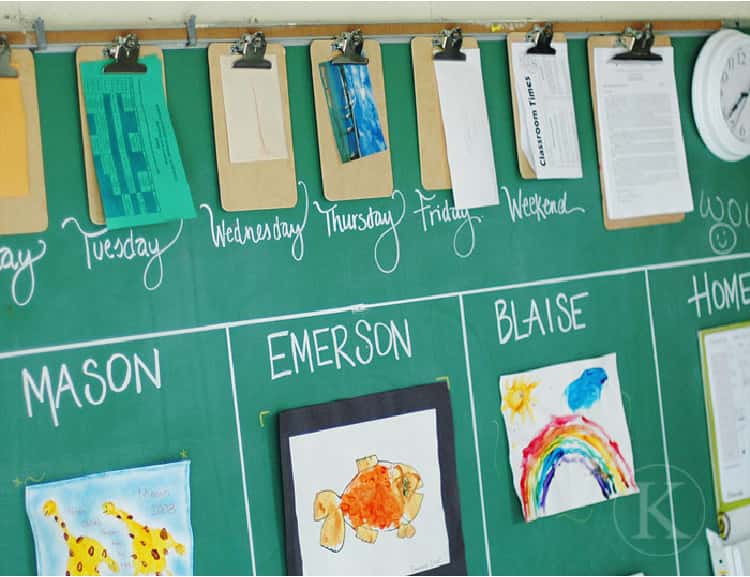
(370, 485)
(351, 105)
(129, 522)
(568, 437)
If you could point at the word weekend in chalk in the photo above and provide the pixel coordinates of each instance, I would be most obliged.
(293, 352)
(92, 382)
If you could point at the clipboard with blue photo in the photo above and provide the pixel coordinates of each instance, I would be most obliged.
(352, 120)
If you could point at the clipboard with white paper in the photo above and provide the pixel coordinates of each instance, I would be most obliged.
(252, 130)
(648, 195)
(543, 114)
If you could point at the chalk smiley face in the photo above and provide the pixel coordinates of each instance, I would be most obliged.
(722, 237)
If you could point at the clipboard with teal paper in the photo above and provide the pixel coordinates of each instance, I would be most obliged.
(136, 156)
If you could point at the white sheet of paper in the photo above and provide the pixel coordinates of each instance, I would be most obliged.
(582, 426)
(254, 112)
(467, 131)
(546, 116)
(327, 460)
(727, 355)
(642, 151)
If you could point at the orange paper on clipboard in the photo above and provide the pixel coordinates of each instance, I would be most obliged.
(14, 160)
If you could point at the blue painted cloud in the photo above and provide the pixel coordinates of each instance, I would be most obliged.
(586, 389)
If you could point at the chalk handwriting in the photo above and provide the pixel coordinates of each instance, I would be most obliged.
(20, 263)
(227, 232)
(91, 383)
(522, 205)
(126, 245)
(726, 292)
(727, 216)
(434, 214)
(342, 345)
(339, 222)
(562, 314)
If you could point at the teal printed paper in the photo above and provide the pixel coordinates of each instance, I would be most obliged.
(136, 157)
(127, 522)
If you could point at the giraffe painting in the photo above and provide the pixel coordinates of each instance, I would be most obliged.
(150, 546)
(84, 553)
(129, 521)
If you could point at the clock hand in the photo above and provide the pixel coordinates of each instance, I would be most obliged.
(743, 96)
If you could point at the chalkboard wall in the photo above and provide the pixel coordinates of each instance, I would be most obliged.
(127, 348)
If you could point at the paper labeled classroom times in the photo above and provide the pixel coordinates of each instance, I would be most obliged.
(254, 111)
(547, 122)
(726, 356)
(643, 162)
(134, 147)
(568, 437)
(471, 161)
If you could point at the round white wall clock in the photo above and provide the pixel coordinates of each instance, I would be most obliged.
(721, 90)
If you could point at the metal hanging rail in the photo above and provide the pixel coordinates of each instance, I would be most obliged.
(196, 35)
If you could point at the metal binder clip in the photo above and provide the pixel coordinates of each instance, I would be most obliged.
(6, 70)
(125, 53)
(542, 37)
(639, 45)
(449, 42)
(253, 49)
(350, 44)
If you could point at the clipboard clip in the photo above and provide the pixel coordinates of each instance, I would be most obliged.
(350, 44)
(125, 54)
(542, 38)
(253, 50)
(639, 45)
(449, 42)
(6, 70)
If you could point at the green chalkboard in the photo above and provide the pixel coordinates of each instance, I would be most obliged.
(212, 306)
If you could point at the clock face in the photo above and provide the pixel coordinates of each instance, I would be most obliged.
(735, 92)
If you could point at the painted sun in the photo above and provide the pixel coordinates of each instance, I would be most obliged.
(517, 398)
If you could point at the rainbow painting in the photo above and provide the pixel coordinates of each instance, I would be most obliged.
(568, 438)
(571, 439)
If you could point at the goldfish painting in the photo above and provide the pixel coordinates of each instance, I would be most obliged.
(382, 496)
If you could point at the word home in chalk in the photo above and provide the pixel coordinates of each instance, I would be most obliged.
(351, 106)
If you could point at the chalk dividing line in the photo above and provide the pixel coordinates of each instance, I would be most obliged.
(361, 307)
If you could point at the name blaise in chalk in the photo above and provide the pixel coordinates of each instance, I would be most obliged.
(126, 245)
(19, 263)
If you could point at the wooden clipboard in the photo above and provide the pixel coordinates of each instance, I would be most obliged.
(524, 166)
(610, 224)
(92, 54)
(28, 213)
(367, 177)
(433, 153)
(257, 185)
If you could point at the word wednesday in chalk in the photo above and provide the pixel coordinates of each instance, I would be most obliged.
(91, 383)
(341, 345)
(561, 314)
